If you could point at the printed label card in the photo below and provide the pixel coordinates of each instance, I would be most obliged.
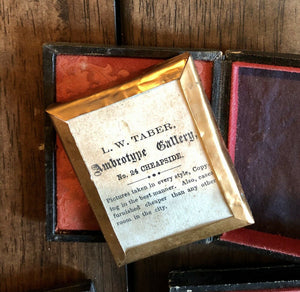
(152, 163)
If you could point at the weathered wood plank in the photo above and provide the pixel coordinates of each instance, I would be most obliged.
(27, 261)
(263, 25)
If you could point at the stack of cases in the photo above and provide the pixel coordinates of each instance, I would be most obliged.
(264, 279)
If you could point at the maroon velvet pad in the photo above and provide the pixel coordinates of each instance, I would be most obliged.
(264, 145)
(79, 76)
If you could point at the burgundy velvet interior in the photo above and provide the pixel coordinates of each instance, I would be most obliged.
(264, 145)
(79, 76)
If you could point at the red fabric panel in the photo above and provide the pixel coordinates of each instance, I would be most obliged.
(262, 240)
(79, 76)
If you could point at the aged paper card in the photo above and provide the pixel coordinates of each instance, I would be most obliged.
(149, 166)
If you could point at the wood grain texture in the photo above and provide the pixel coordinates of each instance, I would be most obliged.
(27, 261)
(263, 25)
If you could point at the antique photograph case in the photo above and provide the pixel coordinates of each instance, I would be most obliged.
(262, 279)
(152, 162)
(259, 109)
(72, 71)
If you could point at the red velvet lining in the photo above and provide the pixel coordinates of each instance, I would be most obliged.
(264, 241)
(233, 111)
(245, 236)
(79, 76)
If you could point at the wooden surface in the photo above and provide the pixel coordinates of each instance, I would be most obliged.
(264, 25)
(27, 261)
